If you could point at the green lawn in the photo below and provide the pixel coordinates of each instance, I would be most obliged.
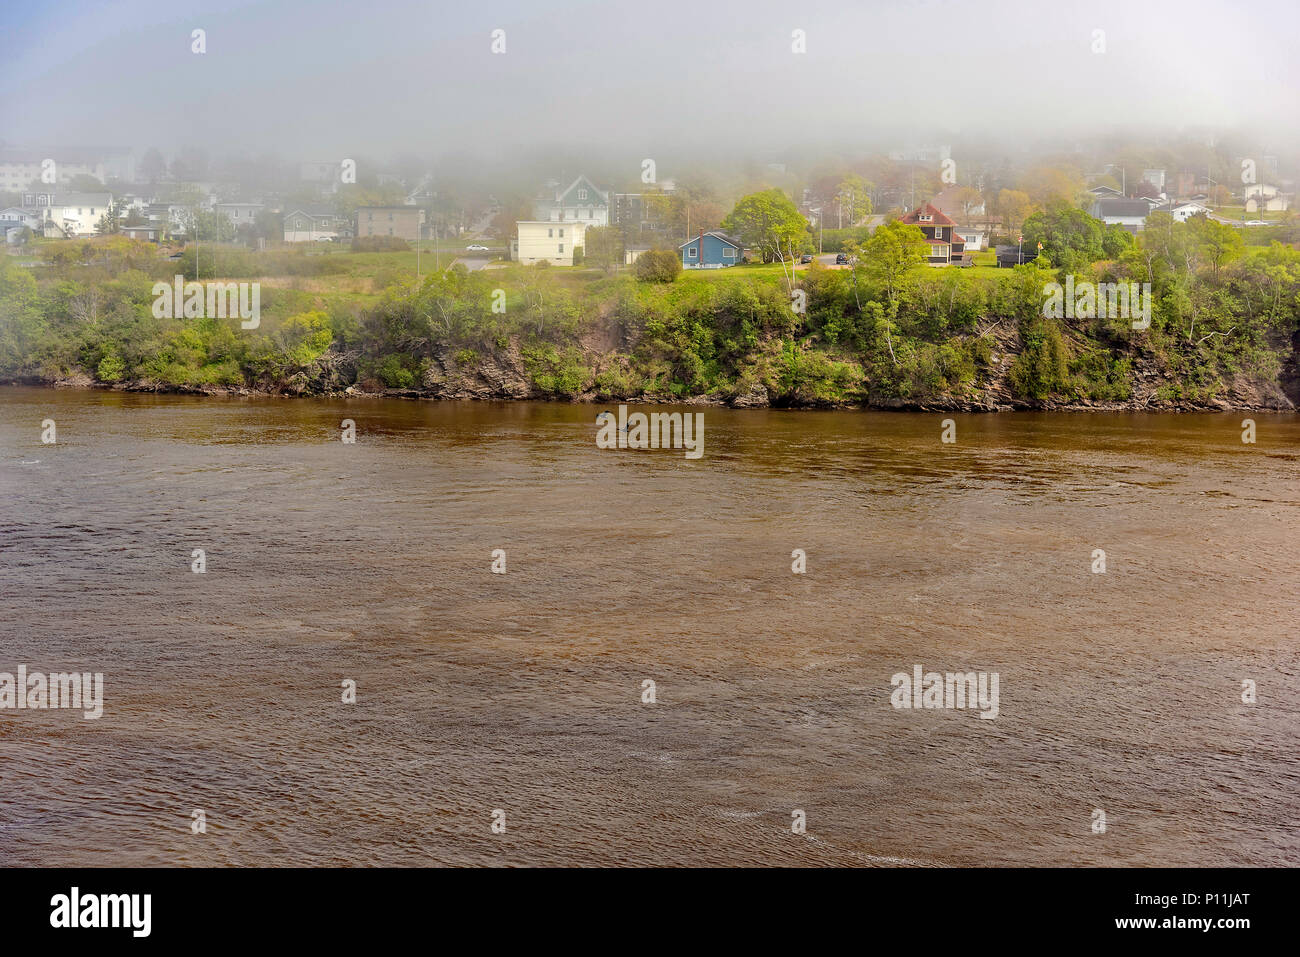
(1239, 213)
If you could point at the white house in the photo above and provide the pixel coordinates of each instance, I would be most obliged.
(975, 239)
(68, 214)
(1129, 213)
(1182, 212)
(581, 202)
(550, 241)
(1261, 196)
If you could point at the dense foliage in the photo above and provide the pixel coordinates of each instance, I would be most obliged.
(883, 330)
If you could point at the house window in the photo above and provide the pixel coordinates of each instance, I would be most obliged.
(728, 253)
(925, 217)
(561, 232)
(550, 234)
(692, 252)
(561, 249)
(582, 194)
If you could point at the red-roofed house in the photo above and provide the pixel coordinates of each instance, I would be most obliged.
(940, 232)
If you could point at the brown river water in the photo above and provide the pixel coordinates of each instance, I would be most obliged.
(1118, 691)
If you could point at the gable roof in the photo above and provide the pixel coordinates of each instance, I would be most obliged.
(562, 198)
(314, 212)
(939, 217)
(713, 232)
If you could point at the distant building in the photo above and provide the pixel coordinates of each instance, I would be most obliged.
(319, 172)
(1262, 197)
(1129, 213)
(19, 216)
(1009, 256)
(405, 222)
(310, 224)
(921, 154)
(551, 241)
(21, 169)
(1155, 177)
(712, 250)
(65, 215)
(239, 214)
(940, 232)
(581, 201)
(974, 238)
(172, 217)
(150, 233)
(949, 203)
(1182, 212)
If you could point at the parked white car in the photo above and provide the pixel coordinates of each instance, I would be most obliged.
(476, 248)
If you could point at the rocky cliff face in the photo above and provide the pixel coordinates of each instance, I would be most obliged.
(503, 373)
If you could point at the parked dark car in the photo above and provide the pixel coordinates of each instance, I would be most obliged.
(805, 259)
(842, 259)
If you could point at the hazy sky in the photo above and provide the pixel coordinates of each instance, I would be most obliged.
(323, 79)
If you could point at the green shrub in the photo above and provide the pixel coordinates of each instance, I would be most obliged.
(111, 368)
(657, 265)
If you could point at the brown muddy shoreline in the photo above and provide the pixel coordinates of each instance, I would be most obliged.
(1276, 402)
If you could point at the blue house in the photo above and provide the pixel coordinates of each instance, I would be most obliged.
(710, 251)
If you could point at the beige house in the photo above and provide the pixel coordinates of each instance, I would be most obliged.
(547, 240)
(65, 215)
(404, 222)
(1261, 197)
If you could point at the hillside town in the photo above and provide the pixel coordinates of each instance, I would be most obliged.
(969, 212)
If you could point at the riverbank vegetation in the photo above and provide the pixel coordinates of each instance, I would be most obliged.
(885, 331)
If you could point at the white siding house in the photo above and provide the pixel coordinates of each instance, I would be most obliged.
(68, 214)
(550, 241)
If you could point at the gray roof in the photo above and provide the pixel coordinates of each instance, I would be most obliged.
(1122, 207)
